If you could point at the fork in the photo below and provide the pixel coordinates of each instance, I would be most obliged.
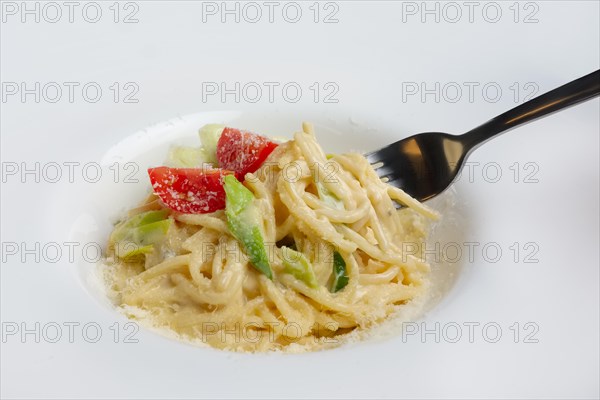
(424, 165)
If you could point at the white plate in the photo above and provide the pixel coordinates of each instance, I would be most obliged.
(545, 200)
(142, 150)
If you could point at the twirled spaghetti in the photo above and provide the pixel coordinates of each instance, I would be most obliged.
(201, 284)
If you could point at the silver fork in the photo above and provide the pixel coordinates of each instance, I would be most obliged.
(424, 165)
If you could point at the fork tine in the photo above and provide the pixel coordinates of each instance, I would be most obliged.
(373, 157)
(377, 155)
(380, 161)
(385, 153)
(377, 165)
(385, 171)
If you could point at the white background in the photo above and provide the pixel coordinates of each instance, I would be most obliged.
(372, 54)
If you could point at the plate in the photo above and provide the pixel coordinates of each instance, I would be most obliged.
(126, 164)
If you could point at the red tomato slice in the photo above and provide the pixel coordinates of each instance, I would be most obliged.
(242, 151)
(189, 190)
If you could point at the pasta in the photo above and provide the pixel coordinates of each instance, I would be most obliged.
(333, 210)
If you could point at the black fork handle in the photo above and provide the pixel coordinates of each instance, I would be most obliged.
(572, 93)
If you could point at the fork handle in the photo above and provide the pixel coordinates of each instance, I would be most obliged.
(572, 93)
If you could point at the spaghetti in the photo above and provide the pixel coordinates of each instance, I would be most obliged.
(332, 210)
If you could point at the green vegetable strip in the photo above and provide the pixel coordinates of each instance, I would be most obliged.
(150, 233)
(131, 249)
(243, 221)
(329, 198)
(209, 136)
(187, 157)
(296, 264)
(340, 276)
(140, 233)
(123, 229)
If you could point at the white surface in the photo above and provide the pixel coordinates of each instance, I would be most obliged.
(368, 54)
